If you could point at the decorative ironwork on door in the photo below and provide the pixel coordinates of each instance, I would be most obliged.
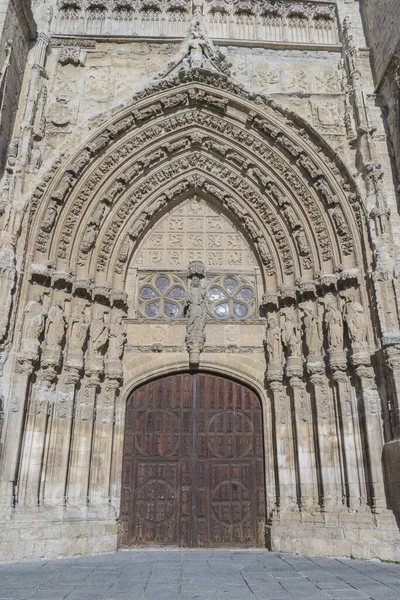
(193, 471)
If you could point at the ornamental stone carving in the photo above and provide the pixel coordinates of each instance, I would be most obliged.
(196, 310)
(354, 316)
(313, 332)
(33, 327)
(274, 340)
(117, 339)
(334, 326)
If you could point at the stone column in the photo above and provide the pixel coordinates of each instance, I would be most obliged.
(286, 468)
(31, 462)
(62, 423)
(81, 445)
(327, 436)
(372, 415)
(60, 438)
(103, 437)
(303, 437)
(13, 426)
(82, 437)
(352, 450)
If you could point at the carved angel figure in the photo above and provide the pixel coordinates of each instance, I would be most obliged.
(55, 326)
(274, 340)
(334, 326)
(117, 339)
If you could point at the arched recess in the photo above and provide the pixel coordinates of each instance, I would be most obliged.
(193, 134)
(193, 463)
(199, 132)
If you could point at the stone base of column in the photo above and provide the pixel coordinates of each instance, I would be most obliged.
(391, 453)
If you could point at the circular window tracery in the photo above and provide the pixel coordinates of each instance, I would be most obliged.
(161, 296)
(229, 297)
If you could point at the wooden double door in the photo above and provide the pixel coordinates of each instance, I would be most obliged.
(193, 466)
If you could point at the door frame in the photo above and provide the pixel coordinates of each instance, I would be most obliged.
(244, 378)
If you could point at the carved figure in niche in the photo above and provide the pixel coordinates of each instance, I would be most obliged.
(117, 339)
(276, 193)
(49, 217)
(291, 336)
(79, 330)
(302, 243)
(354, 315)
(334, 326)
(313, 334)
(291, 216)
(98, 330)
(197, 43)
(34, 321)
(55, 325)
(139, 225)
(274, 340)
(341, 225)
(92, 229)
(196, 309)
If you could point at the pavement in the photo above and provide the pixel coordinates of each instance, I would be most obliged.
(199, 575)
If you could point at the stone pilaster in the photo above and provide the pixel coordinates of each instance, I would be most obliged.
(327, 438)
(81, 444)
(33, 450)
(286, 468)
(306, 467)
(349, 431)
(372, 415)
(103, 437)
(14, 430)
(60, 438)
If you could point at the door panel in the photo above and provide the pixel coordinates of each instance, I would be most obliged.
(193, 424)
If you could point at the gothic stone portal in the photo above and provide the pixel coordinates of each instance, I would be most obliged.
(193, 471)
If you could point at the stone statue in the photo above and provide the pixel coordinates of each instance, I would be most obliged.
(196, 309)
(33, 327)
(117, 339)
(197, 43)
(354, 315)
(49, 217)
(55, 325)
(302, 243)
(79, 330)
(92, 229)
(313, 334)
(334, 326)
(98, 331)
(274, 340)
(291, 336)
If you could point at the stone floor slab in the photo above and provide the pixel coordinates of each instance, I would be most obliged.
(199, 575)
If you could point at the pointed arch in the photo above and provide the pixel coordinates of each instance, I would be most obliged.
(198, 130)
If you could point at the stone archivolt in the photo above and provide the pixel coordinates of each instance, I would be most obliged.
(265, 161)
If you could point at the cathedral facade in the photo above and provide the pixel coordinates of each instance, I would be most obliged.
(200, 277)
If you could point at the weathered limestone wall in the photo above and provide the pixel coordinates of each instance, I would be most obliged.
(382, 20)
(298, 159)
(17, 30)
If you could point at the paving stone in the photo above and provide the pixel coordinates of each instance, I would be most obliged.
(199, 575)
